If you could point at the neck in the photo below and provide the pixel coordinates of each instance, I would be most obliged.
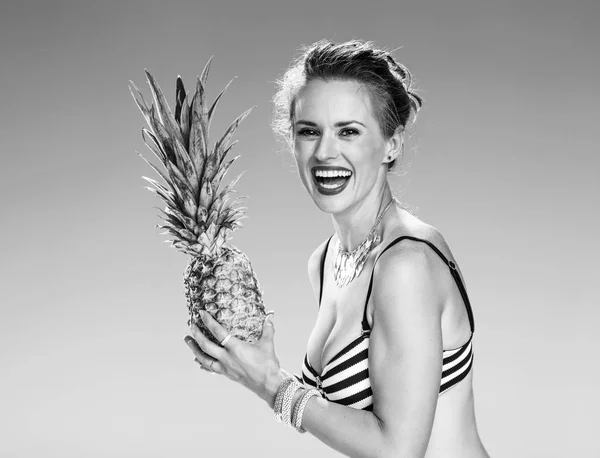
(353, 225)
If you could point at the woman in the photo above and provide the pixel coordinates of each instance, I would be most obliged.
(388, 370)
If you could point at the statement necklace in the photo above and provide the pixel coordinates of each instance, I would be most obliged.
(348, 265)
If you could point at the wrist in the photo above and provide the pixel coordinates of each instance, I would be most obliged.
(273, 381)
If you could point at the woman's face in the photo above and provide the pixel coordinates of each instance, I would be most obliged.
(340, 151)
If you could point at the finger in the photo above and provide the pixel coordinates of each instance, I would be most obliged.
(202, 359)
(205, 344)
(218, 331)
(213, 326)
(211, 368)
(268, 330)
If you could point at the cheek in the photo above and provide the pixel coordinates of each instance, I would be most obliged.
(301, 153)
(301, 156)
(366, 157)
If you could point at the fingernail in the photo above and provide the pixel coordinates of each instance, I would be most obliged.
(271, 312)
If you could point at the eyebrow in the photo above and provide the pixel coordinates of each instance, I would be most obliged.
(337, 124)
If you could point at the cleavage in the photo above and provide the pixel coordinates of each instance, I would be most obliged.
(339, 321)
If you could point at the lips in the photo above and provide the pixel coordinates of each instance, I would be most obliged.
(330, 180)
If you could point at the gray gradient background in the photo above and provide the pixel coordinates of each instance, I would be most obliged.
(504, 161)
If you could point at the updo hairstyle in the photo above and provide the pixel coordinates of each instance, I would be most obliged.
(389, 83)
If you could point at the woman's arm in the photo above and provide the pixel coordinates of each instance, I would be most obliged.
(405, 360)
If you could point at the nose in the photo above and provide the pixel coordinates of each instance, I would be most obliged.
(327, 148)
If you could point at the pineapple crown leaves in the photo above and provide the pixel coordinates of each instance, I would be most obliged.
(198, 214)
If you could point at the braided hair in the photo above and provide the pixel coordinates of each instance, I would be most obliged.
(390, 84)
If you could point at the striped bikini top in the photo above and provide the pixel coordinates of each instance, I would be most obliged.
(345, 379)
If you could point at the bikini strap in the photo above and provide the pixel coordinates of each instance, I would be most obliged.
(323, 268)
(453, 271)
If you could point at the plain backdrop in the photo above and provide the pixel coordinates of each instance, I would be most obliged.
(503, 161)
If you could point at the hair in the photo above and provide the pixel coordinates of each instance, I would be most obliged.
(389, 83)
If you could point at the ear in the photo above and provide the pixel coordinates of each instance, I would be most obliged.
(394, 145)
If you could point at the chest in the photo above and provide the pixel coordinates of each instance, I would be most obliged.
(339, 321)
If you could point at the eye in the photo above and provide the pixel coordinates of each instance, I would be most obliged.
(348, 131)
(306, 132)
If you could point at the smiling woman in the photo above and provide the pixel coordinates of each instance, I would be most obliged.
(389, 365)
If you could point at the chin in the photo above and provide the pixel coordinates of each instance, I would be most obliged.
(329, 204)
(328, 199)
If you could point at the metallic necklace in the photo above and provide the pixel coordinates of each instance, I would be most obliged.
(348, 265)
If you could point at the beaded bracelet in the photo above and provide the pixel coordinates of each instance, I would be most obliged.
(277, 408)
(299, 409)
(288, 398)
(297, 406)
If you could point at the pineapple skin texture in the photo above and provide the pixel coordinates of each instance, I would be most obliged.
(225, 286)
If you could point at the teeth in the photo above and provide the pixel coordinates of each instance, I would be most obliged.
(332, 173)
(330, 186)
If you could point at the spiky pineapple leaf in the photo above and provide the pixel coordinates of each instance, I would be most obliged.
(212, 218)
(169, 216)
(202, 106)
(168, 230)
(164, 111)
(169, 197)
(179, 97)
(140, 101)
(162, 136)
(194, 204)
(159, 187)
(227, 150)
(216, 101)
(222, 172)
(188, 222)
(187, 235)
(186, 166)
(201, 215)
(231, 218)
(176, 155)
(181, 234)
(157, 170)
(229, 202)
(172, 221)
(185, 124)
(204, 74)
(182, 188)
(160, 195)
(197, 143)
(222, 144)
(154, 145)
(229, 187)
(206, 195)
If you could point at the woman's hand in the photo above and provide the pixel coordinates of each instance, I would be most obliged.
(254, 365)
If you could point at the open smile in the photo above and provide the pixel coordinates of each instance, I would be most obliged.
(330, 180)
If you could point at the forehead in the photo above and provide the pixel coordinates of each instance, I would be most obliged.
(334, 101)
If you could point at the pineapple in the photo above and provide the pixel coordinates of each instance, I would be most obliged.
(199, 215)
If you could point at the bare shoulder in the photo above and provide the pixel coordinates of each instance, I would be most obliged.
(413, 260)
(407, 274)
(414, 227)
(314, 267)
(407, 265)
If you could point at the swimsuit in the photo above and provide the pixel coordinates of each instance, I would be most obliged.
(345, 379)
